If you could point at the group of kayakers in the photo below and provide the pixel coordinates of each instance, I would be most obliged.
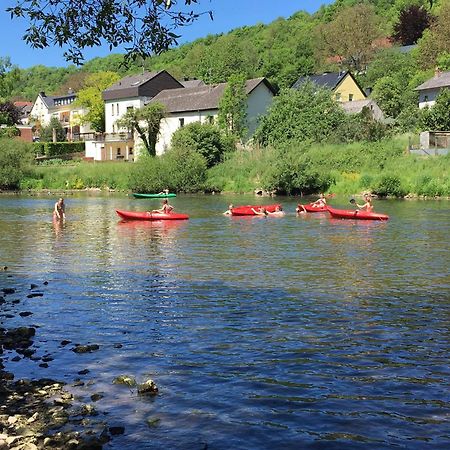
(59, 211)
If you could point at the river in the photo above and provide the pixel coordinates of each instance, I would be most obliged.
(261, 333)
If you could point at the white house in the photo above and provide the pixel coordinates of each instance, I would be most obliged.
(61, 106)
(201, 104)
(429, 90)
(131, 92)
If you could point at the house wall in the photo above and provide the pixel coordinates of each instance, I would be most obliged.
(39, 111)
(428, 97)
(115, 109)
(171, 124)
(110, 151)
(258, 102)
(347, 88)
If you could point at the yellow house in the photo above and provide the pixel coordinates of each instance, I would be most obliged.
(343, 85)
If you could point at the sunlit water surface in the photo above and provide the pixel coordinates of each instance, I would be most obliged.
(261, 333)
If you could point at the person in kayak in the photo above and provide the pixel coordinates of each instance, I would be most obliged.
(320, 202)
(368, 206)
(164, 192)
(260, 211)
(165, 208)
(59, 211)
(278, 211)
(228, 211)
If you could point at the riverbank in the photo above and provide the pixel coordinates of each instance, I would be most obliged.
(41, 413)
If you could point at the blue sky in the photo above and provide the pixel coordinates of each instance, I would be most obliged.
(228, 14)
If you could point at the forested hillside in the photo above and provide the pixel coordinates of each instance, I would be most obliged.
(348, 34)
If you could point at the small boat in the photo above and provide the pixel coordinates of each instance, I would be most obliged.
(135, 215)
(137, 195)
(248, 209)
(355, 214)
(312, 209)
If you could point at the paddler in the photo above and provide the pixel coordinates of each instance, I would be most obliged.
(368, 206)
(165, 208)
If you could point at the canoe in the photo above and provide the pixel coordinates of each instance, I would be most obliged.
(310, 208)
(137, 195)
(355, 214)
(247, 210)
(135, 215)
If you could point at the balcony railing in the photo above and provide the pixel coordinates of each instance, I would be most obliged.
(102, 137)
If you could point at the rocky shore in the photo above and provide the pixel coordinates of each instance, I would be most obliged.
(41, 413)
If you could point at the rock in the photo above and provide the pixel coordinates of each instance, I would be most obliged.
(116, 430)
(8, 291)
(25, 314)
(118, 345)
(35, 294)
(65, 342)
(16, 358)
(85, 348)
(125, 379)
(96, 397)
(83, 372)
(44, 365)
(153, 421)
(88, 410)
(147, 388)
(33, 286)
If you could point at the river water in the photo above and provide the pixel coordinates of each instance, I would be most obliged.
(261, 333)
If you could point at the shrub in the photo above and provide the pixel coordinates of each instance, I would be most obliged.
(9, 132)
(15, 160)
(206, 139)
(390, 185)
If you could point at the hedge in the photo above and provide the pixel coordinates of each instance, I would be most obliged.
(58, 148)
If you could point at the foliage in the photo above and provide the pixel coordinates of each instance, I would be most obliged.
(46, 133)
(9, 132)
(350, 36)
(206, 139)
(436, 40)
(15, 161)
(412, 22)
(296, 115)
(9, 114)
(144, 28)
(90, 98)
(437, 118)
(390, 185)
(233, 107)
(146, 121)
(58, 148)
(388, 93)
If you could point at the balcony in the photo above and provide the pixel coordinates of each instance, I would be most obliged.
(103, 137)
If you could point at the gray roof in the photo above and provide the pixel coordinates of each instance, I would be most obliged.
(328, 79)
(146, 84)
(201, 98)
(53, 101)
(356, 106)
(192, 83)
(438, 81)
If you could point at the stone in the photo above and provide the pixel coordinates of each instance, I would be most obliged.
(125, 379)
(116, 430)
(85, 348)
(25, 314)
(96, 397)
(147, 388)
(65, 342)
(83, 372)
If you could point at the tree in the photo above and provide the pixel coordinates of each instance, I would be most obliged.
(46, 133)
(233, 107)
(436, 40)
(437, 118)
(146, 121)
(206, 139)
(350, 36)
(297, 115)
(413, 20)
(9, 114)
(90, 98)
(145, 27)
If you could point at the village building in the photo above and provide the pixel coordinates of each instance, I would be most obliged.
(343, 85)
(429, 90)
(358, 106)
(63, 108)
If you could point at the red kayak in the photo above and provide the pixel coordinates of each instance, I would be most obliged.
(133, 215)
(355, 214)
(248, 210)
(311, 208)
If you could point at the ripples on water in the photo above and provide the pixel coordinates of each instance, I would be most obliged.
(294, 332)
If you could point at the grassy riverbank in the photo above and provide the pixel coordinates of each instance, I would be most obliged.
(381, 167)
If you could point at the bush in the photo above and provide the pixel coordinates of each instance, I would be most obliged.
(9, 132)
(149, 174)
(390, 185)
(206, 139)
(15, 161)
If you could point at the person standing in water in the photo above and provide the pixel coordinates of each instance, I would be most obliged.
(59, 212)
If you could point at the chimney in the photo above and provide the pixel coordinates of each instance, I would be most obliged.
(42, 94)
(437, 72)
(70, 91)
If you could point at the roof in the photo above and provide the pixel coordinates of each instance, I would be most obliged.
(328, 79)
(201, 98)
(192, 83)
(136, 85)
(53, 101)
(356, 106)
(438, 81)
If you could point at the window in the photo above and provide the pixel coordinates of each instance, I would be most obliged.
(181, 119)
(338, 96)
(119, 152)
(117, 108)
(425, 98)
(130, 151)
(350, 97)
(112, 109)
(210, 119)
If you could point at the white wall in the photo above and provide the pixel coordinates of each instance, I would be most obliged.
(259, 100)
(428, 97)
(171, 124)
(115, 109)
